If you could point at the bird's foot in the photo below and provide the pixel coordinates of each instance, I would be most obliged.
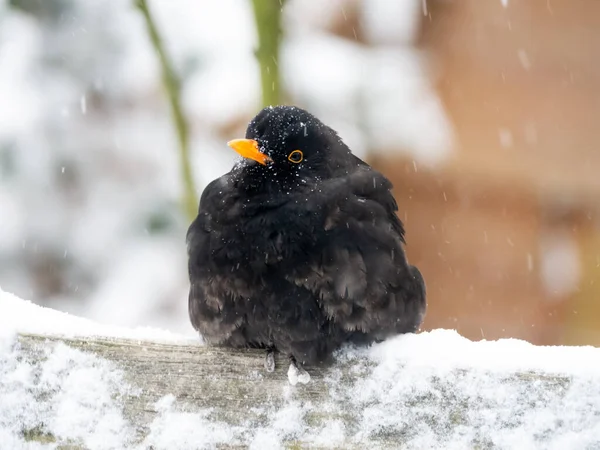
(270, 361)
(296, 373)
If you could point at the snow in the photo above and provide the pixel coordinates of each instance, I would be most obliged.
(20, 107)
(182, 430)
(82, 405)
(22, 316)
(524, 59)
(404, 112)
(430, 390)
(385, 22)
(560, 265)
(296, 376)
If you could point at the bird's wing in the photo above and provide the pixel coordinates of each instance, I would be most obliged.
(358, 269)
(210, 307)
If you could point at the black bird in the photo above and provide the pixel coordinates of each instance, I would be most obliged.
(298, 248)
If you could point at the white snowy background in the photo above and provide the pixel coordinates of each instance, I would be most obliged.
(90, 221)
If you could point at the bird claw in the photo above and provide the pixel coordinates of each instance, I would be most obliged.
(270, 361)
(297, 374)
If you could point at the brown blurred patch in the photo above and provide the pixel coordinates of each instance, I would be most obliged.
(521, 86)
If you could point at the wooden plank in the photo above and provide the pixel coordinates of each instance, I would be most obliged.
(232, 388)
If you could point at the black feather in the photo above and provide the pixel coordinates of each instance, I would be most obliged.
(300, 257)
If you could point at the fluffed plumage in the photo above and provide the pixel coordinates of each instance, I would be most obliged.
(300, 252)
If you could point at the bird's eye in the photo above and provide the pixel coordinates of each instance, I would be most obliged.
(296, 156)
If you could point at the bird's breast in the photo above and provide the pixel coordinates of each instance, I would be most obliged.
(258, 239)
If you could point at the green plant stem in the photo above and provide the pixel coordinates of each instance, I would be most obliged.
(173, 88)
(267, 16)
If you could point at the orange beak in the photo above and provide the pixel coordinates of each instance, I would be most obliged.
(248, 148)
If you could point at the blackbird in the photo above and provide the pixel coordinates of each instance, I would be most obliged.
(298, 249)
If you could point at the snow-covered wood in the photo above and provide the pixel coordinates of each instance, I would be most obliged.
(67, 382)
(165, 395)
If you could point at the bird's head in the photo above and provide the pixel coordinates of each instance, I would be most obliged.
(284, 142)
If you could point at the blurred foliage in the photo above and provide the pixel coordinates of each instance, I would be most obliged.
(7, 160)
(172, 86)
(50, 10)
(267, 15)
(161, 219)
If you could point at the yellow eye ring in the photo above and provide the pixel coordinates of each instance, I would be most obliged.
(296, 156)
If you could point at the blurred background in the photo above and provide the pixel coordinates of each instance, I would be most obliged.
(485, 115)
